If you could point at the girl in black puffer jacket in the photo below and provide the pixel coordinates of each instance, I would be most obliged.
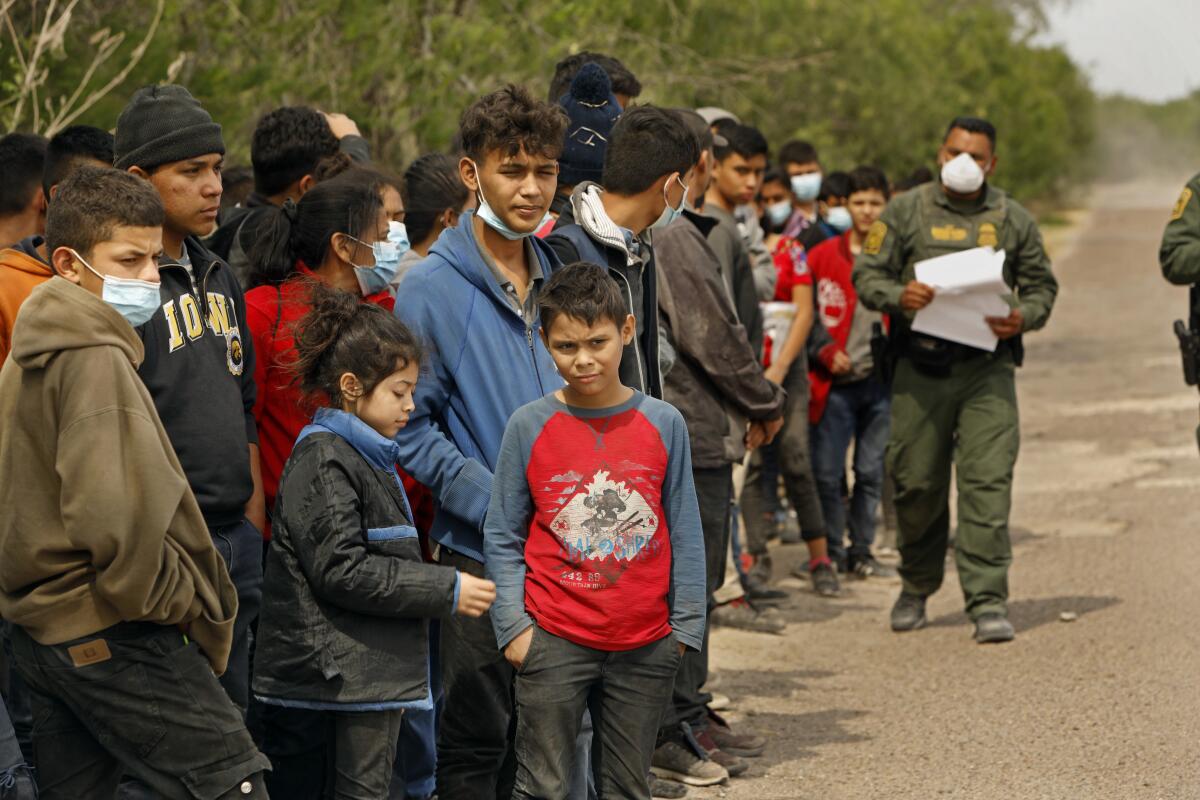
(342, 641)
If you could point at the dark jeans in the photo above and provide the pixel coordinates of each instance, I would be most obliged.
(16, 698)
(364, 753)
(134, 698)
(240, 544)
(714, 489)
(344, 755)
(475, 761)
(297, 741)
(858, 412)
(624, 691)
(795, 460)
(16, 779)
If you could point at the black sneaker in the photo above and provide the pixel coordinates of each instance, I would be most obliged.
(825, 581)
(676, 761)
(865, 567)
(909, 612)
(666, 789)
(993, 628)
(740, 614)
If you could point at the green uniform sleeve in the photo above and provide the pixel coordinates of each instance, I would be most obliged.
(879, 268)
(1179, 254)
(1035, 283)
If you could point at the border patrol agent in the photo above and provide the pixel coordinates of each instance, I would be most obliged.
(952, 403)
(1179, 257)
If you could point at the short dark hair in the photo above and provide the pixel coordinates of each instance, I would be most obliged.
(867, 178)
(743, 140)
(699, 128)
(287, 144)
(623, 81)
(584, 291)
(775, 175)
(93, 201)
(915, 178)
(236, 184)
(510, 119)
(22, 156)
(432, 184)
(835, 184)
(973, 125)
(69, 147)
(797, 152)
(342, 334)
(647, 142)
(349, 203)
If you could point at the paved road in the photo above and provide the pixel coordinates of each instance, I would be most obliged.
(1105, 526)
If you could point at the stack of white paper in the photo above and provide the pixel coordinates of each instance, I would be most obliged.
(970, 286)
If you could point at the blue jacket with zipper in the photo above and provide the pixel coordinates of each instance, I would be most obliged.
(483, 363)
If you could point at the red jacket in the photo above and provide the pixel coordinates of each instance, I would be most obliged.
(280, 410)
(831, 263)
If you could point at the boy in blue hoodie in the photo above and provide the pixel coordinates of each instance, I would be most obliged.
(474, 301)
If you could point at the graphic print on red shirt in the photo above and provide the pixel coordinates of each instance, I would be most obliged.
(599, 554)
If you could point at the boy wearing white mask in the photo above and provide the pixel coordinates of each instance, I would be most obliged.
(950, 402)
(123, 611)
(474, 300)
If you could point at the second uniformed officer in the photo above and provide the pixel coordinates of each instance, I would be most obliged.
(952, 403)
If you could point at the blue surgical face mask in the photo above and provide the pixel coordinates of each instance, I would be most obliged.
(778, 213)
(134, 300)
(669, 214)
(493, 221)
(839, 219)
(806, 187)
(376, 277)
(398, 235)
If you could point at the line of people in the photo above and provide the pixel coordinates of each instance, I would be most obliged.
(404, 460)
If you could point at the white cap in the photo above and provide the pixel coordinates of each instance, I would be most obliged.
(712, 114)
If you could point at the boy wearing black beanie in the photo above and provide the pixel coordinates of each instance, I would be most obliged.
(198, 367)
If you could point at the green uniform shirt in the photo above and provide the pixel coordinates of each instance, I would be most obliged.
(924, 223)
(1180, 251)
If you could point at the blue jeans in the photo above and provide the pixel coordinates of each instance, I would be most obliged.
(858, 412)
(240, 545)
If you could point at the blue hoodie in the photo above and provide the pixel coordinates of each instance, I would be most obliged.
(483, 364)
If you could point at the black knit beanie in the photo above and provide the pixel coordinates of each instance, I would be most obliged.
(592, 110)
(163, 124)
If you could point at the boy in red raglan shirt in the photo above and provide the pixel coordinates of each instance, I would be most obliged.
(593, 539)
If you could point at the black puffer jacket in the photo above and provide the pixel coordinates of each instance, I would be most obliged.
(347, 598)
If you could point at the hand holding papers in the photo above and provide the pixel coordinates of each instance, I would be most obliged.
(970, 287)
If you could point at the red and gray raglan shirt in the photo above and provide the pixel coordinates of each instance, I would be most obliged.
(593, 529)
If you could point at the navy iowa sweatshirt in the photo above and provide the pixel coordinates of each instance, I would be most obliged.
(199, 368)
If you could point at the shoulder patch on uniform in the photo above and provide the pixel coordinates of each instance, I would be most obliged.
(948, 233)
(987, 236)
(1184, 198)
(875, 236)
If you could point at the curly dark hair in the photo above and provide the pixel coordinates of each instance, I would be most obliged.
(510, 119)
(287, 144)
(342, 334)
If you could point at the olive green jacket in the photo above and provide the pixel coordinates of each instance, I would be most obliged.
(1179, 255)
(924, 223)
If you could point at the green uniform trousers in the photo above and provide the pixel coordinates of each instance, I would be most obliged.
(968, 418)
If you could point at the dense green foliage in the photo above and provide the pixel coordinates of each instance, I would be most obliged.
(867, 82)
(1137, 138)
